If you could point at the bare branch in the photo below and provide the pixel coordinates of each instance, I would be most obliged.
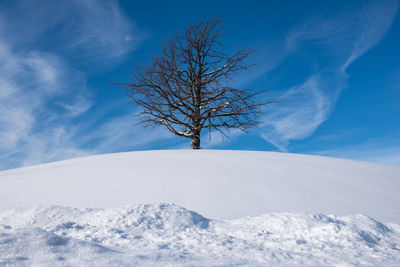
(183, 88)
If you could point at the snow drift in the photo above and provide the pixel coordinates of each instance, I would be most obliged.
(217, 184)
(167, 234)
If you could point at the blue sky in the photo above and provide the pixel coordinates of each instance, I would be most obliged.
(334, 66)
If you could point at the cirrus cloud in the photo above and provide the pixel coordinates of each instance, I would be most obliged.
(338, 40)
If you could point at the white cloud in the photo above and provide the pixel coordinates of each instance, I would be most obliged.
(78, 107)
(30, 130)
(303, 108)
(102, 29)
(338, 40)
(96, 30)
(375, 25)
(122, 132)
(41, 95)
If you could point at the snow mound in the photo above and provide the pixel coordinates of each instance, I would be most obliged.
(218, 184)
(169, 235)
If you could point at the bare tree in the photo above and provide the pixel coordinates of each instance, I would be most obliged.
(186, 88)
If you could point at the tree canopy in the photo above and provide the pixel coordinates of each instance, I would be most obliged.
(186, 88)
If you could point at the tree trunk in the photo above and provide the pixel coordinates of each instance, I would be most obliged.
(196, 140)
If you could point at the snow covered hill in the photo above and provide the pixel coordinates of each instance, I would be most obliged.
(289, 198)
(215, 183)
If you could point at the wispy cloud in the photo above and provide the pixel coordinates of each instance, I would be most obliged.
(32, 124)
(385, 150)
(285, 123)
(122, 132)
(338, 40)
(95, 30)
(106, 31)
(41, 93)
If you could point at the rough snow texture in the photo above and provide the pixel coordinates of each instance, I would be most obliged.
(168, 235)
(217, 184)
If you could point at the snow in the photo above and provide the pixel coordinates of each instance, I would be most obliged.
(218, 184)
(232, 208)
(167, 234)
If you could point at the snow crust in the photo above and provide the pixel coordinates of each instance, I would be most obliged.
(217, 184)
(169, 235)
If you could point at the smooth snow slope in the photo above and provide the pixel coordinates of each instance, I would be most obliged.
(217, 184)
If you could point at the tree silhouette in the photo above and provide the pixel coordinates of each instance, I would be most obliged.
(186, 90)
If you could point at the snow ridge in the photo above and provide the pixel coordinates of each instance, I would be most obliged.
(166, 234)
